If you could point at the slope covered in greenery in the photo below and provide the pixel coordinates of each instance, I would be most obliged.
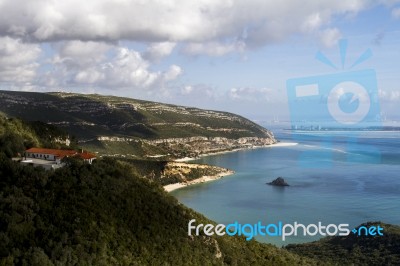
(356, 250)
(16, 136)
(102, 214)
(90, 116)
(121, 126)
(167, 172)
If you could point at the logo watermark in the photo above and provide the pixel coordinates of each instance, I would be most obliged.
(346, 100)
(280, 229)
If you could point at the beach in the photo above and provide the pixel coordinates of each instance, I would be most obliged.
(279, 144)
(204, 179)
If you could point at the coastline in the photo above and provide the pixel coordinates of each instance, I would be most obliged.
(278, 144)
(202, 179)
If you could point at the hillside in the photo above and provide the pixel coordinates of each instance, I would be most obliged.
(17, 135)
(115, 125)
(103, 214)
(166, 172)
(355, 250)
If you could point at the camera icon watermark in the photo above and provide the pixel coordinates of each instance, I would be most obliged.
(342, 101)
(337, 100)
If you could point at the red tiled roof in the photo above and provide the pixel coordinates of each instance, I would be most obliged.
(57, 153)
(62, 153)
(86, 155)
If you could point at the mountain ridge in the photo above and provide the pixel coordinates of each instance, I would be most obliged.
(144, 127)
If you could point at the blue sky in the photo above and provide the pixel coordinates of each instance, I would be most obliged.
(226, 55)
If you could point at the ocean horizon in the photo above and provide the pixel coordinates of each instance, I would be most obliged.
(334, 177)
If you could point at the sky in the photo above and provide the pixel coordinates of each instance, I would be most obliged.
(225, 55)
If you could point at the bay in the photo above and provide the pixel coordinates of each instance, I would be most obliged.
(334, 177)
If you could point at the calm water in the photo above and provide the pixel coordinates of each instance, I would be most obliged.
(337, 178)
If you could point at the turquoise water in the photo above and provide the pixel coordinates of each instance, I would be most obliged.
(335, 178)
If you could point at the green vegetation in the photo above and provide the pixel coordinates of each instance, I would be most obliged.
(130, 149)
(89, 116)
(16, 136)
(121, 126)
(102, 214)
(355, 250)
(166, 172)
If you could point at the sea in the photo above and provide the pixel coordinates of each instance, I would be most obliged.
(335, 177)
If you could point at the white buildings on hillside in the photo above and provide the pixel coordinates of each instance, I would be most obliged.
(51, 158)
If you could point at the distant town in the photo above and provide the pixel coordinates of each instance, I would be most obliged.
(321, 128)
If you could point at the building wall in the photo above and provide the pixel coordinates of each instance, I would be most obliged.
(89, 160)
(51, 157)
(48, 157)
(49, 166)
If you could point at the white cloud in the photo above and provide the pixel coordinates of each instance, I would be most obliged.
(330, 37)
(312, 22)
(89, 76)
(89, 37)
(186, 90)
(396, 13)
(75, 57)
(214, 48)
(172, 73)
(345, 93)
(392, 96)
(97, 64)
(157, 51)
(250, 94)
(127, 69)
(84, 52)
(18, 61)
(199, 91)
(168, 21)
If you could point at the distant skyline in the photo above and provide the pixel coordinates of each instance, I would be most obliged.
(225, 55)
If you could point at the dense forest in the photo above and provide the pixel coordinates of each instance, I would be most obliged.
(102, 214)
(356, 250)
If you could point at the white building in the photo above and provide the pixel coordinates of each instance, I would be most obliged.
(51, 158)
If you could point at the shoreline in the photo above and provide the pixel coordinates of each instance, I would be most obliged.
(203, 179)
(279, 144)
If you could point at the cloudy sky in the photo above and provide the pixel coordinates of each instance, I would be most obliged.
(225, 55)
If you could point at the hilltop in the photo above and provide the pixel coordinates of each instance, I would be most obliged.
(116, 125)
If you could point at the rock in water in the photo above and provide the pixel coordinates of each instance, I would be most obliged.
(280, 182)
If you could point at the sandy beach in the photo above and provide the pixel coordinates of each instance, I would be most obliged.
(203, 179)
(279, 144)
